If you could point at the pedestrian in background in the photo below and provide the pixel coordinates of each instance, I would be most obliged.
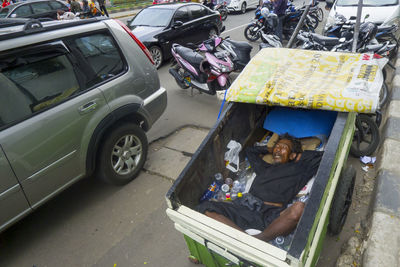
(75, 7)
(280, 10)
(102, 5)
(5, 3)
(85, 6)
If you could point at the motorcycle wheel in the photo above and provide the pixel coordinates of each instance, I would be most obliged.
(251, 34)
(383, 95)
(313, 21)
(366, 136)
(320, 14)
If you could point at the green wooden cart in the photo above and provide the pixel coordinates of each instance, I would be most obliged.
(215, 244)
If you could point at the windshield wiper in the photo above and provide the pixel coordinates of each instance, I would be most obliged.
(141, 25)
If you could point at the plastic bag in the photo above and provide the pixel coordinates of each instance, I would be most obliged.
(232, 156)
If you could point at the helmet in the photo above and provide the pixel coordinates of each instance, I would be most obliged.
(264, 12)
(368, 31)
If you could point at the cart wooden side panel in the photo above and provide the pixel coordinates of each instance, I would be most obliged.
(310, 239)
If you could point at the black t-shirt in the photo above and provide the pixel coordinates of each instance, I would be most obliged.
(279, 183)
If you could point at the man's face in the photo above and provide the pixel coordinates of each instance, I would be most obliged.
(282, 151)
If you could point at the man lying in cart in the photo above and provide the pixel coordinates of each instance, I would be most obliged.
(265, 207)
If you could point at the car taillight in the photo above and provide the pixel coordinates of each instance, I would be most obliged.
(139, 43)
(220, 18)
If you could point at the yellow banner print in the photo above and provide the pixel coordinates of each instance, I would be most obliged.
(310, 79)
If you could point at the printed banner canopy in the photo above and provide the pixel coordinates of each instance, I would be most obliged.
(336, 81)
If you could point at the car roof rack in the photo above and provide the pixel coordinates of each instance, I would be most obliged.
(32, 26)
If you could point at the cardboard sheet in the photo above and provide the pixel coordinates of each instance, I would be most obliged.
(336, 81)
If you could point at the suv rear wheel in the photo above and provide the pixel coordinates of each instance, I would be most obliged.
(122, 155)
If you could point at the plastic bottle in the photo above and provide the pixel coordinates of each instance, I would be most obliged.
(236, 186)
(219, 179)
(220, 196)
(225, 188)
(280, 240)
(229, 182)
(209, 192)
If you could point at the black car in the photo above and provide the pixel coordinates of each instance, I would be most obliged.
(44, 9)
(159, 26)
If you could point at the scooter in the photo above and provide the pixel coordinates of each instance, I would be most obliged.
(208, 73)
(239, 52)
(223, 10)
(269, 40)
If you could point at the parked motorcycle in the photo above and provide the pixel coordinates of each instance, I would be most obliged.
(266, 22)
(223, 10)
(239, 52)
(269, 40)
(208, 73)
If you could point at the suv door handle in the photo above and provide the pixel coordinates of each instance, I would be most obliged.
(88, 107)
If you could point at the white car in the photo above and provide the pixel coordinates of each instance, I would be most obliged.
(386, 12)
(242, 5)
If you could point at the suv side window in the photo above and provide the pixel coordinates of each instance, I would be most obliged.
(197, 11)
(34, 85)
(56, 5)
(100, 58)
(182, 14)
(41, 7)
(23, 11)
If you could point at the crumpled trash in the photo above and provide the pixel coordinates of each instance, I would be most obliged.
(232, 156)
(365, 168)
(367, 159)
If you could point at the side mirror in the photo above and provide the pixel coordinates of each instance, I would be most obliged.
(177, 24)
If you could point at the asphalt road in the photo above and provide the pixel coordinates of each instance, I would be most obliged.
(92, 224)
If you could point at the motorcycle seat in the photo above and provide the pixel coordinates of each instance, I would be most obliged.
(189, 55)
(324, 40)
(374, 48)
(240, 45)
(386, 28)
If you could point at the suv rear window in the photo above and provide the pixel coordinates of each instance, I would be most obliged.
(40, 7)
(32, 87)
(56, 5)
(23, 11)
(101, 57)
(4, 12)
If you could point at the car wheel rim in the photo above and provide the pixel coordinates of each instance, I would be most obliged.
(156, 54)
(243, 8)
(126, 154)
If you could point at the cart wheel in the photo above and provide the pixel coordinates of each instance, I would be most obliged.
(366, 136)
(342, 200)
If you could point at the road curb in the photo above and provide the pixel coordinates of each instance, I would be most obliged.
(383, 243)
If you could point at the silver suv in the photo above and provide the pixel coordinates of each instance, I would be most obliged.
(76, 99)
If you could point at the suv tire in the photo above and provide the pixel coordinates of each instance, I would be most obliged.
(122, 154)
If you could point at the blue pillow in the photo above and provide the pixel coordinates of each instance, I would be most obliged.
(300, 123)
